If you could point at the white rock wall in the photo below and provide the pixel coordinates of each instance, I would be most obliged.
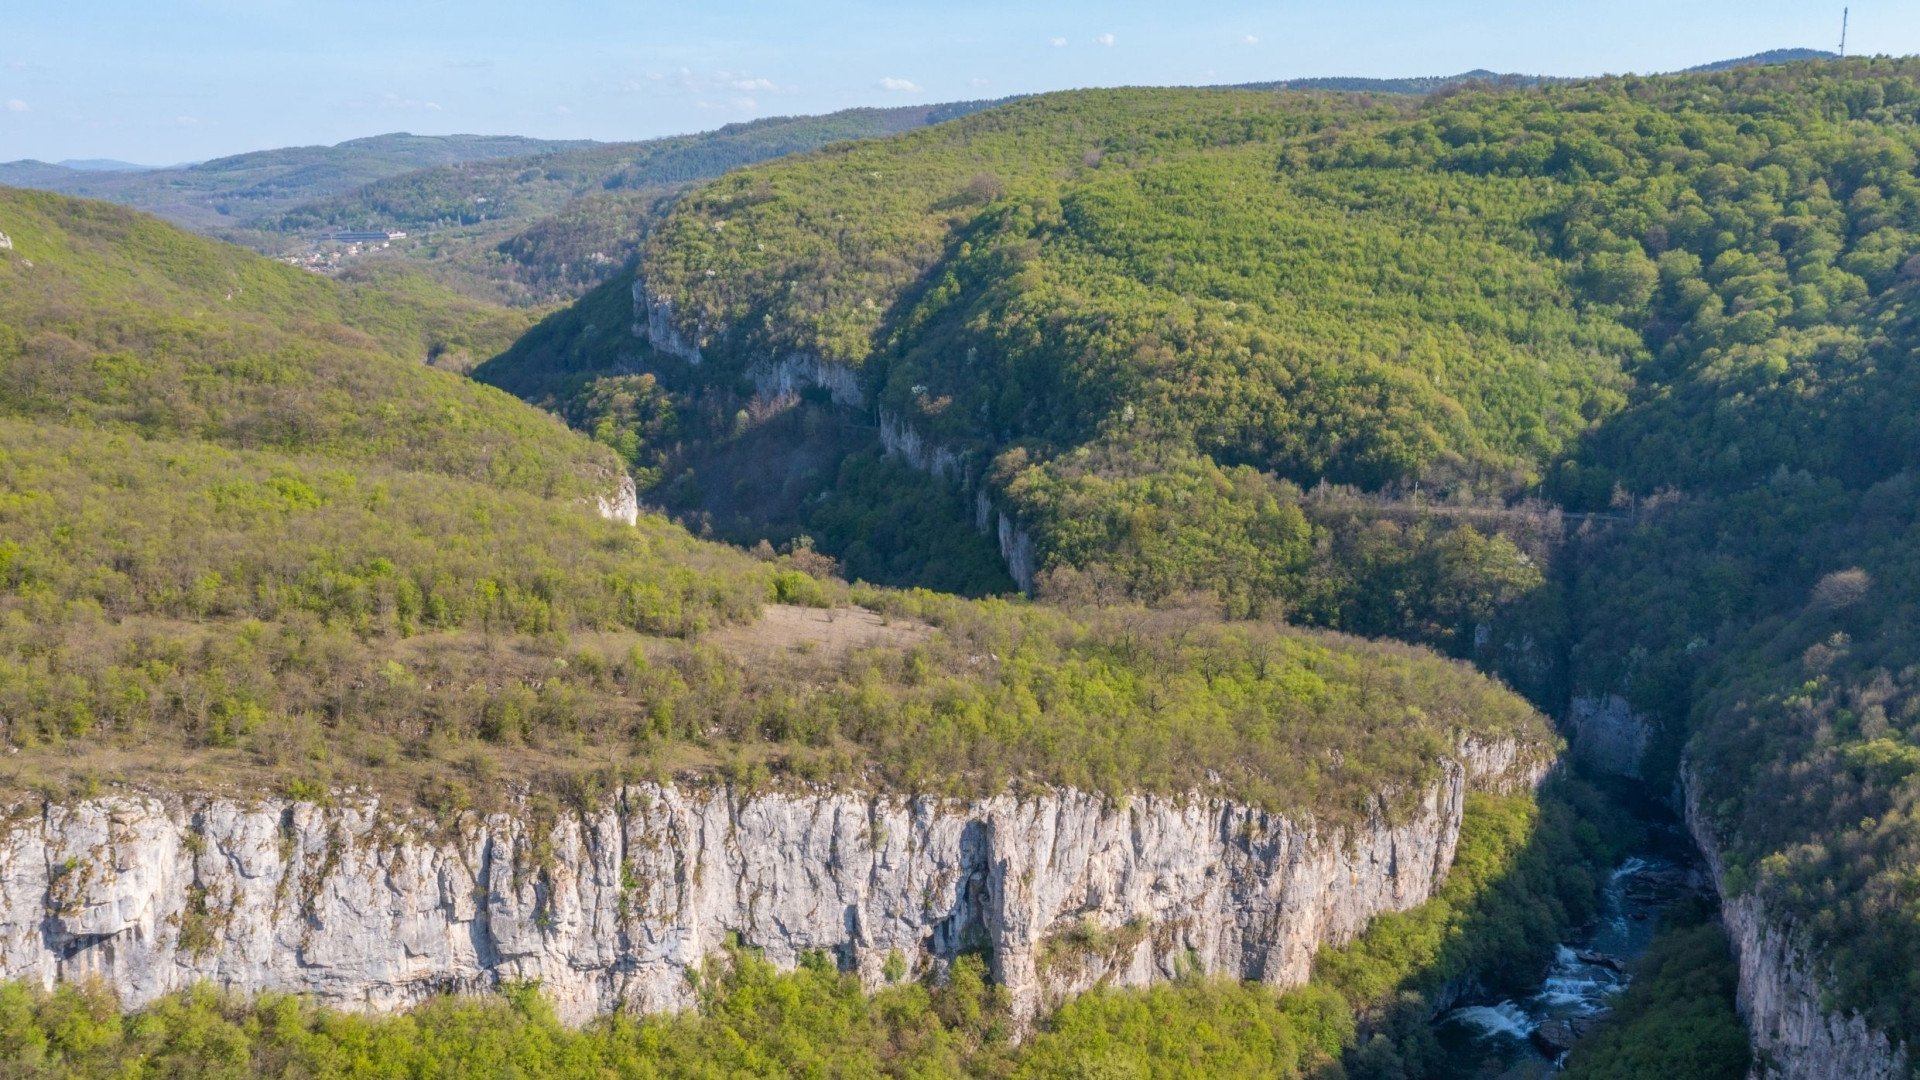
(653, 323)
(1780, 992)
(1016, 549)
(368, 909)
(902, 440)
(623, 505)
(799, 370)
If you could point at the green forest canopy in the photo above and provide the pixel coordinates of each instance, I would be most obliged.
(240, 533)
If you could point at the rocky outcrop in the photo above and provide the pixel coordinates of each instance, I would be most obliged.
(1606, 734)
(623, 505)
(1016, 549)
(1781, 988)
(653, 323)
(902, 440)
(799, 370)
(367, 908)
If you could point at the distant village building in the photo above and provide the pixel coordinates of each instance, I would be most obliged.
(364, 236)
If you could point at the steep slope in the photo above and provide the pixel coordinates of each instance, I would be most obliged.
(110, 318)
(1110, 320)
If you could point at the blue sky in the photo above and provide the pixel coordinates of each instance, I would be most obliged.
(161, 81)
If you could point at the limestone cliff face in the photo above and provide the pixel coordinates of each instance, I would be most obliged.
(1607, 734)
(653, 323)
(623, 505)
(1016, 548)
(798, 370)
(1780, 992)
(367, 908)
(900, 439)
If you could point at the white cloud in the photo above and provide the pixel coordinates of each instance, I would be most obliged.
(392, 100)
(1105, 39)
(1250, 39)
(563, 110)
(899, 86)
(977, 82)
(1059, 42)
(16, 105)
(187, 121)
(706, 89)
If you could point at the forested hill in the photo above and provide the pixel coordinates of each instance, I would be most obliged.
(1418, 85)
(551, 225)
(504, 219)
(112, 319)
(246, 531)
(1146, 325)
(1429, 84)
(1771, 56)
(1078, 290)
(231, 190)
(501, 190)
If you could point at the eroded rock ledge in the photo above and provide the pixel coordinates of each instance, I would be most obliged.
(364, 907)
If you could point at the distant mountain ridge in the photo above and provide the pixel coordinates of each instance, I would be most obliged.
(226, 191)
(1427, 84)
(532, 221)
(1424, 84)
(102, 165)
(1771, 56)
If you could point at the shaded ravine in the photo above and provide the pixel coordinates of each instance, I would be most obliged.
(1527, 1035)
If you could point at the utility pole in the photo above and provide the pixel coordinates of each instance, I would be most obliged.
(1843, 32)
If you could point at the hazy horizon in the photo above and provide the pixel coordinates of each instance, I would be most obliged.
(191, 80)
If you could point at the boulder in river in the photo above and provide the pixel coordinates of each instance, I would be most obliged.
(1584, 1026)
(1600, 959)
(1553, 1038)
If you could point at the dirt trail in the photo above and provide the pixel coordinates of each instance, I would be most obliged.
(825, 632)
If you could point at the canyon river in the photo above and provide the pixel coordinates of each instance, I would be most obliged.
(1526, 1036)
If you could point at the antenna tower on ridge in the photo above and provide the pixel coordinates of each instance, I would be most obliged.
(1843, 32)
